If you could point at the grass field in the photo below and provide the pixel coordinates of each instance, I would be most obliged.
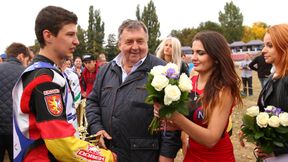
(242, 154)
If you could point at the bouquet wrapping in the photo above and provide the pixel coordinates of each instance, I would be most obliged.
(268, 129)
(166, 86)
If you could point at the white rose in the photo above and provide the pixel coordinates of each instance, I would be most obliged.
(159, 82)
(283, 117)
(252, 111)
(157, 70)
(172, 93)
(269, 108)
(173, 66)
(274, 121)
(262, 119)
(185, 84)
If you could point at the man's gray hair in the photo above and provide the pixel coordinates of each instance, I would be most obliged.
(131, 25)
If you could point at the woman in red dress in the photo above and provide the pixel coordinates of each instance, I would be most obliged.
(215, 92)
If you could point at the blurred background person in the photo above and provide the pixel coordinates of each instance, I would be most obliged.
(101, 59)
(18, 56)
(73, 81)
(3, 57)
(246, 76)
(169, 50)
(88, 75)
(78, 68)
(263, 69)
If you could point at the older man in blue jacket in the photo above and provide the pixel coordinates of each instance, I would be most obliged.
(116, 107)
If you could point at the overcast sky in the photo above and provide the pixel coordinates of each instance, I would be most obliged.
(18, 16)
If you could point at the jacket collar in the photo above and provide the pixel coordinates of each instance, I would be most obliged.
(14, 59)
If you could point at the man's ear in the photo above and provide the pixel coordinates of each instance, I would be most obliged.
(20, 57)
(47, 35)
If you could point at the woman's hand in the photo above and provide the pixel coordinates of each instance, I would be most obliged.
(168, 125)
(157, 107)
(261, 154)
(240, 136)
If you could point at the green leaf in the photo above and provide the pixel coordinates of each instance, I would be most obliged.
(279, 144)
(258, 135)
(281, 129)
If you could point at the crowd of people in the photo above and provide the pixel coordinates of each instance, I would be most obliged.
(38, 104)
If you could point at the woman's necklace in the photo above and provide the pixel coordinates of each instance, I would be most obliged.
(195, 94)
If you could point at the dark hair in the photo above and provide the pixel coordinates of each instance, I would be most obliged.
(15, 49)
(223, 76)
(131, 25)
(52, 18)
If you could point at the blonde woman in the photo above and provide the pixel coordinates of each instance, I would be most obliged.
(169, 50)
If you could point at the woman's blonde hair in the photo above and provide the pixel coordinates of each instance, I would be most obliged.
(176, 50)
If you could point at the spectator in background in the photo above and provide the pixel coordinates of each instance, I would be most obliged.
(78, 68)
(73, 81)
(3, 57)
(88, 75)
(101, 59)
(263, 69)
(18, 56)
(169, 50)
(246, 76)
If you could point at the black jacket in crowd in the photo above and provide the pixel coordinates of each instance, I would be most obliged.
(9, 74)
(263, 69)
(119, 108)
(275, 92)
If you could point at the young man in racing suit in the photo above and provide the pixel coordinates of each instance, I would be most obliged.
(44, 119)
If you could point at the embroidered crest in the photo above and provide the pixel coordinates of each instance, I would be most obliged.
(54, 104)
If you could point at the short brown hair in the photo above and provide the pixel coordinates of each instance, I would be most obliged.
(52, 18)
(15, 49)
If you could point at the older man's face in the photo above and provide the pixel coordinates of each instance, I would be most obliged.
(133, 45)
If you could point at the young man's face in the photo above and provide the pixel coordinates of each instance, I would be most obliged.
(64, 44)
(90, 65)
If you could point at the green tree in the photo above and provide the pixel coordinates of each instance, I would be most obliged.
(185, 35)
(138, 12)
(91, 34)
(231, 21)
(95, 32)
(150, 19)
(81, 48)
(99, 32)
(111, 47)
(36, 47)
(209, 25)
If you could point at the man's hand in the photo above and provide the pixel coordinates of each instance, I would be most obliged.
(103, 134)
(84, 94)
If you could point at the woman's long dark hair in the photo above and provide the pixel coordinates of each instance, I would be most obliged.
(223, 76)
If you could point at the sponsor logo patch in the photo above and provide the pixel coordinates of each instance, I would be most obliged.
(91, 154)
(51, 91)
(54, 104)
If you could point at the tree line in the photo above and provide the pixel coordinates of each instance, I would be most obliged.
(230, 25)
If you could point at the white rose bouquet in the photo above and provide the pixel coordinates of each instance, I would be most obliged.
(267, 129)
(166, 86)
